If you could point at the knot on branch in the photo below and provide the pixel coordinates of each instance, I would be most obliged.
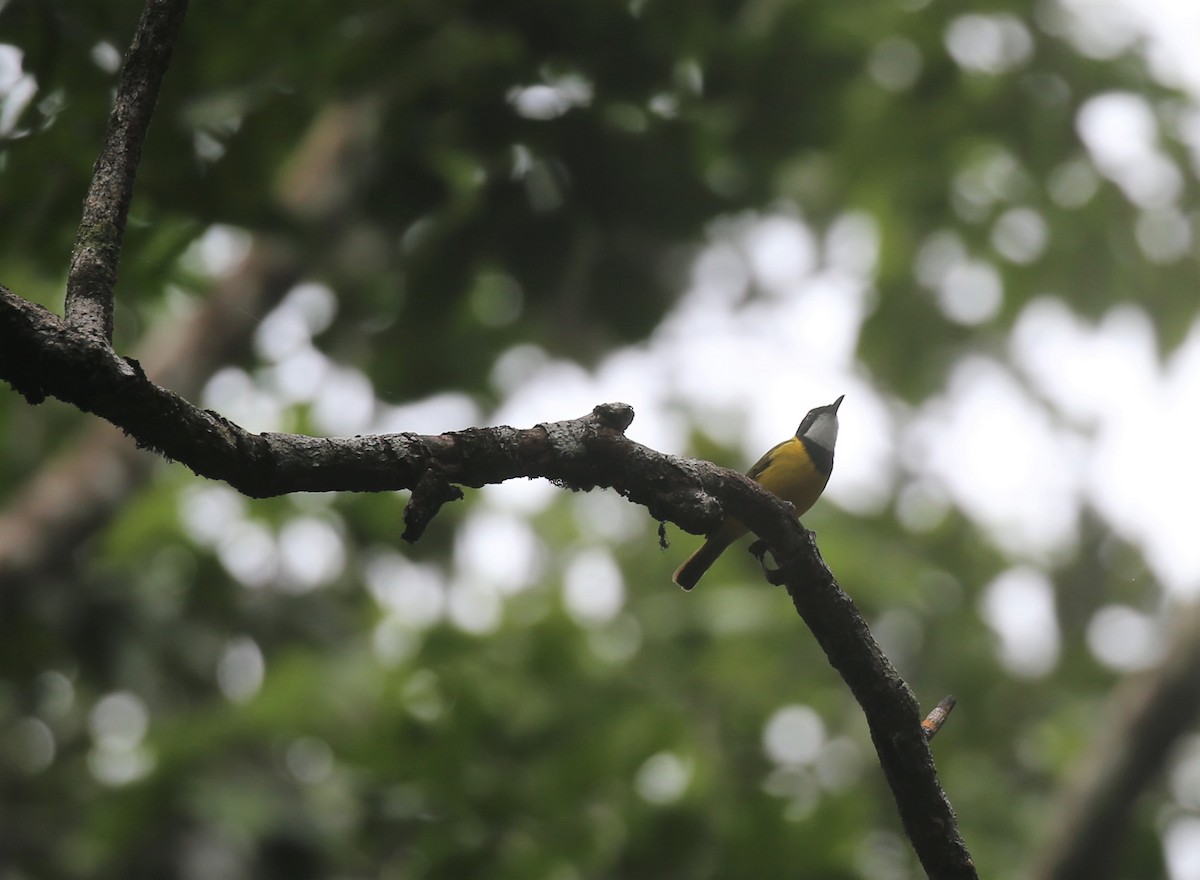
(617, 416)
(691, 507)
(28, 387)
(431, 492)
(701, 513)
(135, 365)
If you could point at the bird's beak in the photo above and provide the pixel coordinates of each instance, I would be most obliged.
(838, 403)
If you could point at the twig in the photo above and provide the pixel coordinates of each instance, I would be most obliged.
(431, 492)
(937, 717)
(97, 251)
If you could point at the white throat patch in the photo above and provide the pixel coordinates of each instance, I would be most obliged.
(823, 432)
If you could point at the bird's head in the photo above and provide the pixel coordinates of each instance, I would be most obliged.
(820, 426)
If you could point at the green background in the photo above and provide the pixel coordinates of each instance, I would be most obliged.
(504, 734)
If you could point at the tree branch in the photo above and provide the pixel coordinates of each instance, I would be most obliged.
(97, 251)
(40, 355)
(67, 500)
(892, 712)
(1145, 717)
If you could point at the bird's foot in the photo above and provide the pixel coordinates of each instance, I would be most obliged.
(759, 550)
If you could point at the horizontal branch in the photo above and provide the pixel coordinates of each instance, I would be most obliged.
(41, 355)
(65, 501)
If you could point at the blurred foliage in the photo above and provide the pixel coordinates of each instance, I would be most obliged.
(509, 173)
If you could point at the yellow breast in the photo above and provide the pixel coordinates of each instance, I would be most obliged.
(790, 474)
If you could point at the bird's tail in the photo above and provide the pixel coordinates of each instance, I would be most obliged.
(694, 566)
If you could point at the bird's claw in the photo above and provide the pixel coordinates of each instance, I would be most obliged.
(759, 550)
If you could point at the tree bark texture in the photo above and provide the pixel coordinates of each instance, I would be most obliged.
(93, 273)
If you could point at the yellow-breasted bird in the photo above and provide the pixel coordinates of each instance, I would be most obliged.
(796, 470)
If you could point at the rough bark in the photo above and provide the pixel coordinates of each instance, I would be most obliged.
(75, 495)
(93, 274)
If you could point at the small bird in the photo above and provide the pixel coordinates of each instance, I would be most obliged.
(796, 470)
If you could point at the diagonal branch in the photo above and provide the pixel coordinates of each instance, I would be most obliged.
(93, 273)
(40, 355)
(1146, 717)
(892, 713)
